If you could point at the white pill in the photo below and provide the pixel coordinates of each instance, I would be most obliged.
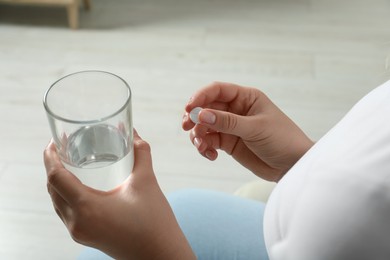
(194, 114)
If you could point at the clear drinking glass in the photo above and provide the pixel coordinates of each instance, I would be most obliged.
(90, 117)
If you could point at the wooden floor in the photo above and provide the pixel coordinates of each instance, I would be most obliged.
(314, 58)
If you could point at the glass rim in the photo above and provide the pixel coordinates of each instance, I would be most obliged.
(80, 122)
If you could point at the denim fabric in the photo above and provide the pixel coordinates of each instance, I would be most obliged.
(217, 225)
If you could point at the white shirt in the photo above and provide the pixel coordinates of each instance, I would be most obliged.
(334, 204)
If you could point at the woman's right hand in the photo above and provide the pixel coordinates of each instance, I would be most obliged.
(246, 124)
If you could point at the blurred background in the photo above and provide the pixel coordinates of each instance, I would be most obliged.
(313, 58)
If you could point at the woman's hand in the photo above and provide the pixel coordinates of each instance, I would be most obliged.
(245, 123)
(133, 221)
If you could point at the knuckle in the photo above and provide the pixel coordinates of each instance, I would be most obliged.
(142, 145)
(82, 206)
(53, 177)
(80, 227)
(229, 122)
(192, 134)
(216, 83)
(78, 232)
(49, 189)
(46, 151)
(199, 130)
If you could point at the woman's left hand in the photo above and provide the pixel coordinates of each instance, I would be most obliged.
(132, 221)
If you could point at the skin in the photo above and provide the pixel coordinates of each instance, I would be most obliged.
(134, 220)
(248, 126)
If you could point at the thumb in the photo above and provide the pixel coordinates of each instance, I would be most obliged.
(142, 156)
(225, 122)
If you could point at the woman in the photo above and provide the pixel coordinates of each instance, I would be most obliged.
(136, 221)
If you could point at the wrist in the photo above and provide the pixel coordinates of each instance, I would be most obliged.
(173, 247)
(167, 241)
(300, 147)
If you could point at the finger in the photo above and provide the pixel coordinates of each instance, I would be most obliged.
(197, 134)
(61, 207)
(206, 144)
(60, 179)
(198, 142)
(187, 123)
(142, 156)
(253, 163)
(211, 154)
(209, 145)
(226, 122)
(215, 92)
(205, 149)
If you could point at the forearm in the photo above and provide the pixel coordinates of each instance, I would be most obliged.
(298, 145)
(178, 248)
(171, 248)
(167, 241)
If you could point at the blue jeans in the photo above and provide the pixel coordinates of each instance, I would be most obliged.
(217, 225)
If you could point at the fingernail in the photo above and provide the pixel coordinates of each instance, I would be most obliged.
(209, 154)
(185, 117)
(207, 117)
(197, 142)
(51, 142)
(190, 100)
